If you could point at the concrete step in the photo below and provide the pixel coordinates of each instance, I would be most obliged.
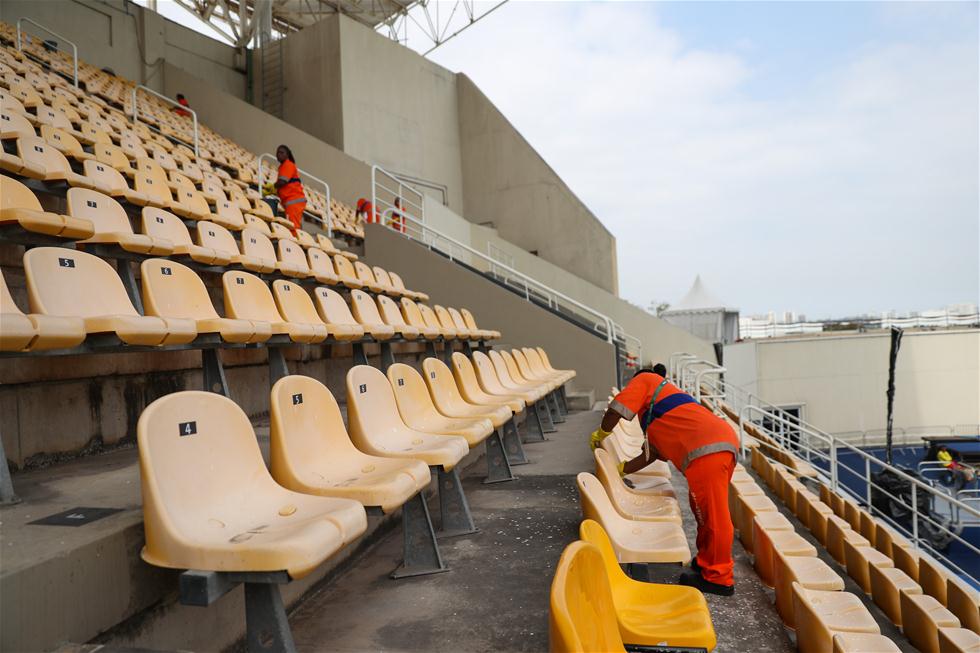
(580, 399)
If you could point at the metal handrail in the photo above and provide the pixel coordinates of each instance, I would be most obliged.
(401, 193)
(688, 363)
(672, 364)
(197, 149)
(697, 379)
(326, 188)
(74, 48)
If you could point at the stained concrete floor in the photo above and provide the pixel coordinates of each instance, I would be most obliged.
(496, 596)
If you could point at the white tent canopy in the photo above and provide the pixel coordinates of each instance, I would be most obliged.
(701, 313)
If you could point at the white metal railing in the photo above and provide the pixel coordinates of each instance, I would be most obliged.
(797, 436)
(387, 188)
(140, 87)
(328, 213)
(497, 254)
(74, 48)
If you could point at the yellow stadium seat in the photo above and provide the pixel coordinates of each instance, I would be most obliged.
(258, 253)
(248, 298)
(64, 142)
(163, 225)
(413, 316)
(216, 237)
(346, 272)
(643, 486)
(886, 585)
(964, 602)
(209, 502)
(399, 285)
(333, 310)
(922, 617)
(636, 506)
(932, 578)
(228, 215)
(112, 224)
(907, 560)
(634, 541)
(366, 277)
(470, 389)
(858, 560)
(863, 643)
(582, 615)
(365, 311)
(57, 278)
(450, 402)
(471, 323)
(384, 280)
(172, 290)
(820, 615)
(19, 205)
(446, 320)
(650, 614)
(534, 393)
(838, 530)
(747, 507)
(809, 572)
(292, 259)
(33, 332)
(958, 640)
(429, 316)
(549, 366)
(111, 182)
(321, 266)
(773, 532)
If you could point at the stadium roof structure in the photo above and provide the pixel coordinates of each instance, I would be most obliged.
(430, 22)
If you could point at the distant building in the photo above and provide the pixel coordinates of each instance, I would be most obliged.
(704, 315)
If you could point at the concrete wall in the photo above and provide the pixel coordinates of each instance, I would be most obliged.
(134, 42)
(505, 182)
(521, 323)
(841, 380)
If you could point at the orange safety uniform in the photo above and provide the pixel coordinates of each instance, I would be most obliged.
(703, 447)
(184, 103)
(291, 194)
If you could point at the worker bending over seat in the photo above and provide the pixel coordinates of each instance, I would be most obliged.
(703, 447)
(289, 188)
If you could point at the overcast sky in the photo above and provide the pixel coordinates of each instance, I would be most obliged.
(817, 157)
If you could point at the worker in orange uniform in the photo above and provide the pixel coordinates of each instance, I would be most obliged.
(289, 188)
(182, 101)
(365, 211)
(397, 222)
(703, 447)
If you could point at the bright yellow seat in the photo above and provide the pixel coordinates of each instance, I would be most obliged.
(390, 315)
(820, 615)
(310, 451)
(516, 375)
(333, 310)
(18, 204)
(809, 572)
(248, 298)
(296, 306)
(932, 578)
(209, 502)
(228, 215)
(582, 615)
(549, 380)
(172, 290)
(365, 311)
(839, 531)
(647, 486)
(531, 395)
(906, 559)
(747, 507)
(418, 412)
(446, 320)
(346, 272)
(68, 283)
(887, 583)
(858, 560)
(367, 279)
(292, 259)
(650, 614)
(256, 247)
(110, 181)
(376, 427)
(321, 266)
(384, 280)
(431, 321)
(111, 223)
(20, 332)
(634, 541)
(922, 617)
(412, 315)
(533, 364)
(474, 392)
(450, 402)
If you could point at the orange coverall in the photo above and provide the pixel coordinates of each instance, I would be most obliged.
(291, 194)
(703, 447)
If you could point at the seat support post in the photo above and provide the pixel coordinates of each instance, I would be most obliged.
(387, 357)
(129, 283)
(214, 372)
(277, 365)
(467, 349)
(430, 349)
(498, 467)
(533, 426)
(7, 495)
(554, 408)
(265, 620)
(447, 352)
(455, 510)
(360, 357)
(421, 550)
(512, 444)
(547, 425)
(562, 399)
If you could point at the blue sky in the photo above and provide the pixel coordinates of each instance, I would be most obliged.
(818, 157)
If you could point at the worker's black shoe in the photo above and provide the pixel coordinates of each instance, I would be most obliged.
(695, 580)
(695, 566)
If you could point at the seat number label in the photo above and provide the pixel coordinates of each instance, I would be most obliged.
(166, 272)
(297, 399)
(210, 233)
(240, 281)
(401, 382)
(286, 288)
(363, 388)
(66, 262)
(159, 219)
(187, 428)
(432, 375)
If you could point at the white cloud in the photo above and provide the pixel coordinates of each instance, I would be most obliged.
(858, 192)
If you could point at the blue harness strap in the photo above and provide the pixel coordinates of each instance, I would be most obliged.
(664, 406)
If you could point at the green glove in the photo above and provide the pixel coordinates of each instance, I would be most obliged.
(621, 467)
(269, 189)
(597, 437)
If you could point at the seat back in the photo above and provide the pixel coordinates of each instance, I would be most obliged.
(486, 372)
(320, 262)
(216, 237)
(248, 298)
(364, 274)
(192, 199)
(606, 470)
(15, 195)
(534, 359)
(262, 209)
(592, 532)
(65, 142)
(151, 168)
(412, 314)
(515, 371)
(294, 303)
(196, 449)
(332, 308)
(466, 380)
(457, 319)
(382, 277)
(372, 412)
(430, 318)
(304, 238)
(442, 385)
(468, 319)
(65, 282)
(257, 245)
(595, 502)
(389, 311)
(11, 103)
(50, 116)
(279, 231)
(344, 267)
(582, 618)
(964, 602)
(396, 281)
(105, 213)
(111, 155)
(502, 369)
(158, 223)
(212, 187)
(230, 214)
(13, 124)
(154, 188)
(523, 365)
(291, 252)
(36, 151)
(364, 308)
(174, 290)
(445, 319)
(258, 224)
(104, 175)
(411, 394)
(932, 579)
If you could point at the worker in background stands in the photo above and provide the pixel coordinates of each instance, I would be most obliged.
(182, 101)
(365, 211)
(289, 187)
(397, 223)
(703, 447)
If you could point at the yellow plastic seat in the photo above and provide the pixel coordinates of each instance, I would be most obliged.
(863, 643)
(858, 559)
(838, 532)
(112, 224)
(418, 412)
(333, 310)
(19, 205)
(321, 266)
(365, 311)
(964, 602)
(460, 324)
(450, 401)
(13, 124)
(190, 204)
(656, 486)
(746, 509)
(470, 321)
(823, 614)
(64, 142)
(219, 239)
(773, 532)
(376, 427)
(486, 373)
(537, 367)
(413, 316)
(634, 541)
(517, 375)
(278, 232)
(296, 306)
(310, 451)
(384, 280)
(636, 506)
(429, 316)
(525, 370)
(92, 134)
(258, 248)
(390, 315)
(809, 572)
(32, 332)
(163, 225)
(172, 290)
(932, 578)
(292, 259)
(886, 585)
(156, 192)
(470, 388)
(750, 488)
(530, 394)
(907, 560)
(582, 617)
(248, 298)
(922, 617)
(111, 182)
(549, 366)
(446, 320)
(346, 272)
(958, 640)
(650, 614)
(209, 502)
(228, 215)
(69, 283)
(366, 277)
(44, 162)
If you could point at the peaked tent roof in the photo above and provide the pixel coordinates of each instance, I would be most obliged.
(699, 298)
